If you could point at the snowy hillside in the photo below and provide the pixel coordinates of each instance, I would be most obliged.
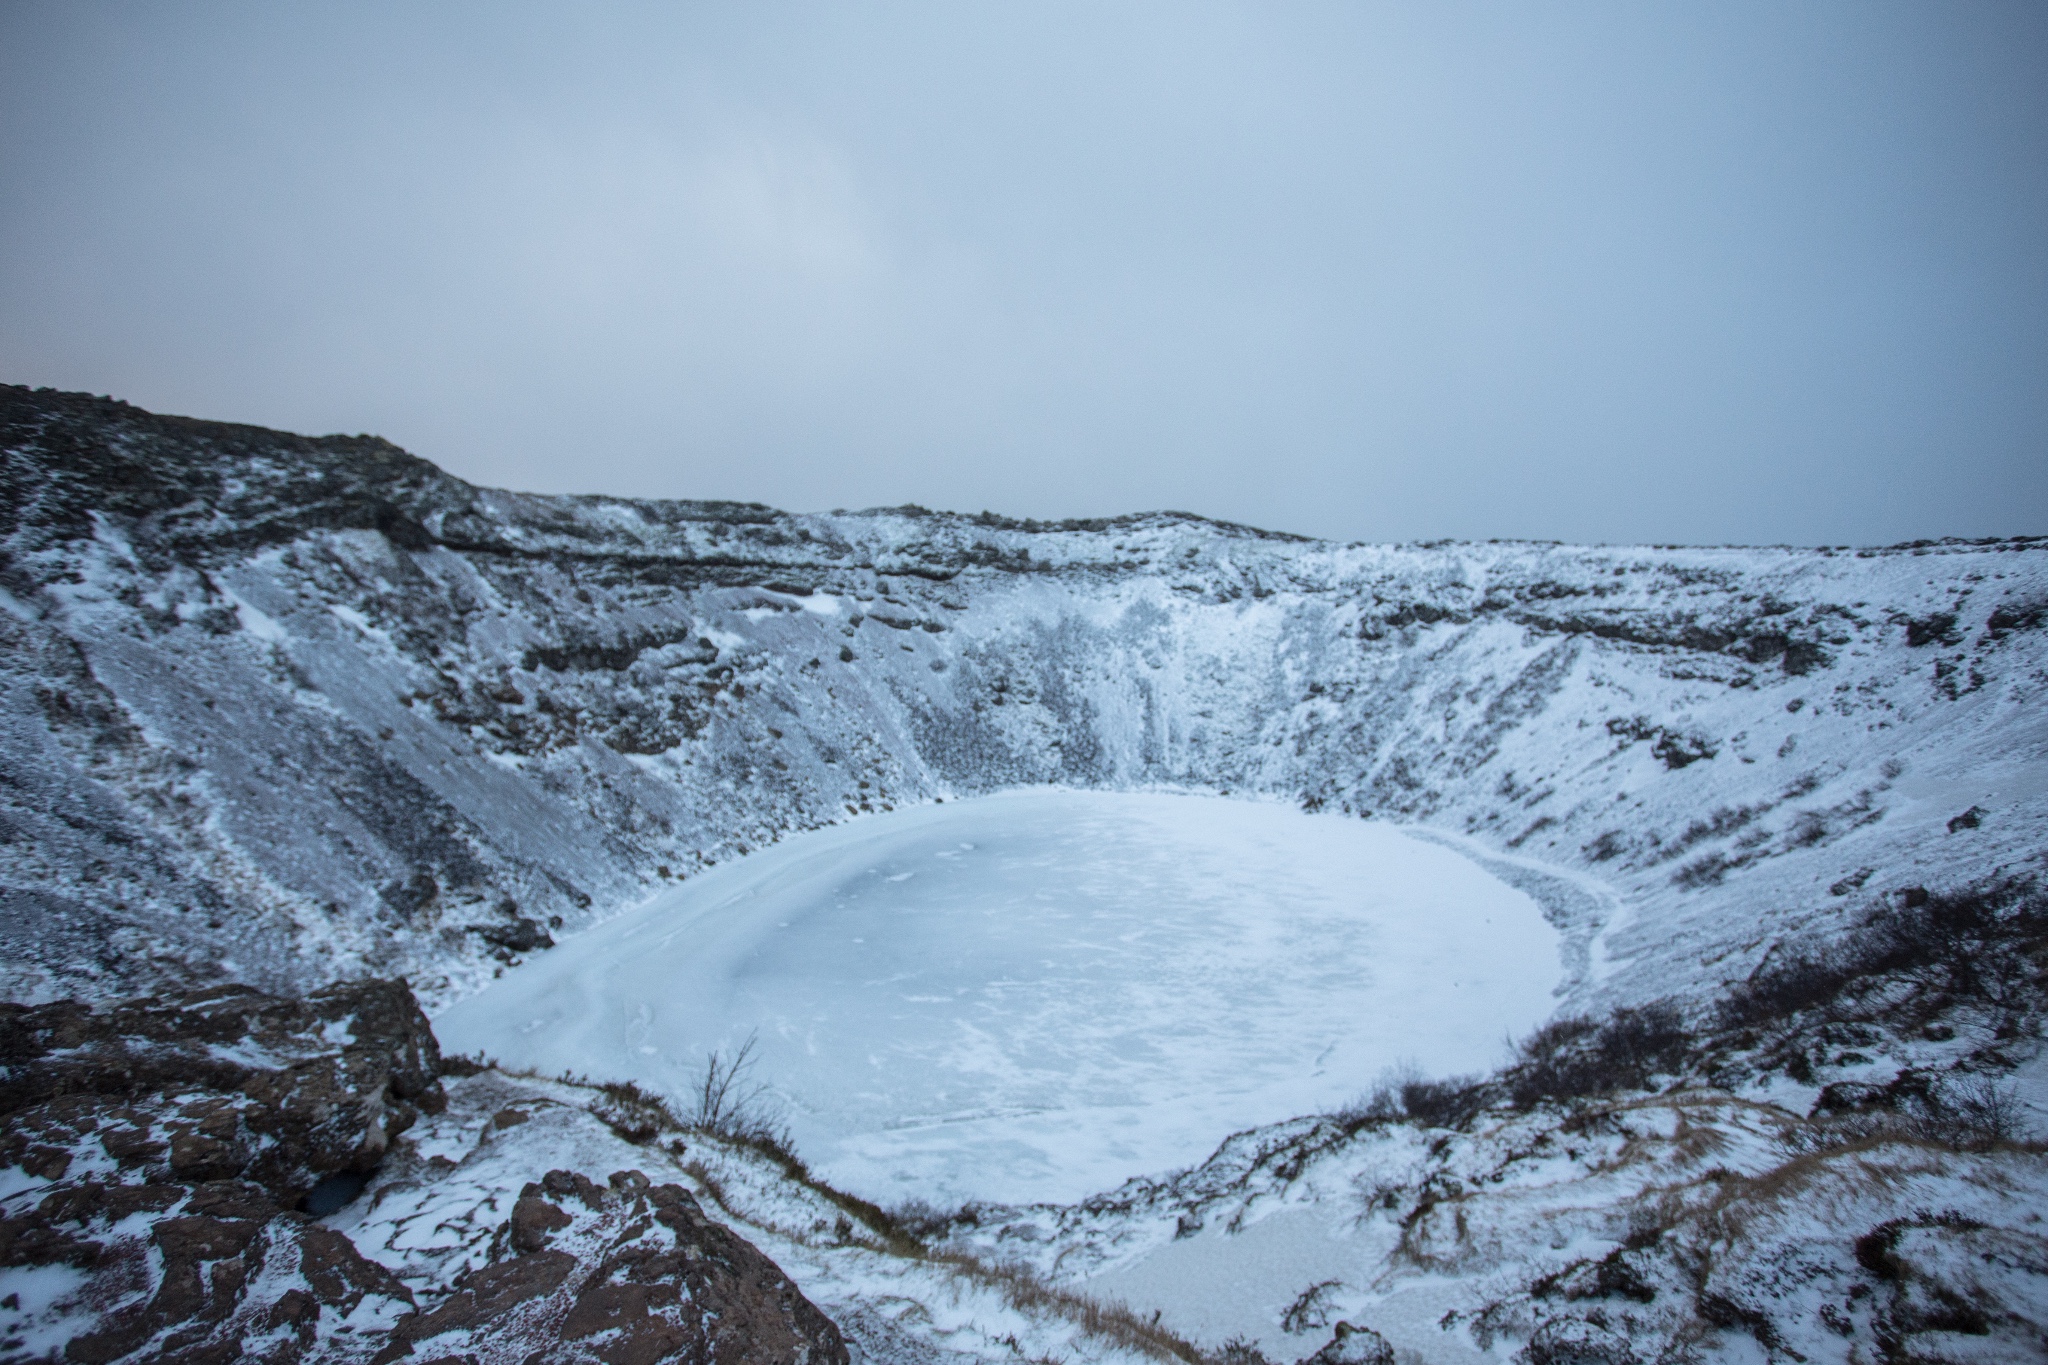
(293, 710)
(285, 711)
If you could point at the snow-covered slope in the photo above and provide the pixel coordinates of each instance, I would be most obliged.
(291, 710)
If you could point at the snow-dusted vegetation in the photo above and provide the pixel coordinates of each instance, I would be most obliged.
(286, 712)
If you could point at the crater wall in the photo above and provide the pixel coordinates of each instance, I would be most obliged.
(284, 710)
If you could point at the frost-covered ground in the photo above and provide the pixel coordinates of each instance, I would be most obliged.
(1035, 996)
(1693, 1225)
(436, 1208)
(286, 711)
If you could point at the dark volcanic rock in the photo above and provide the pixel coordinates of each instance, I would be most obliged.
(224, 1083)
(634, 1272)
(170, 1140)
(166, 1145)
(214, 1271)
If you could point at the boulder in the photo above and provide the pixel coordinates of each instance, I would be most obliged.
(627, 1271)
(214, 1271)
(166, 1145)
(222, 1083)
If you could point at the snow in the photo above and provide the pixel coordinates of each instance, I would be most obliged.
(435, 1208)
(36, 1317)
(1692, 759)
(1035, 995)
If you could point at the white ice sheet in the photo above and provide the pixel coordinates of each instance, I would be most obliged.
(1035, 995)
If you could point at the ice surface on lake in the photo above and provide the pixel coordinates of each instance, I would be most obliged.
(1036, 995)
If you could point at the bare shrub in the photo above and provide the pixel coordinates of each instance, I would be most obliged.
(1969, 944)
(1706, 870)
(1382, 1104)
(1611, 844)
(1963, 1111)
(1979, 1112)
(729, 1102)
(1310, 1311)
(1449, 1103)
(928, 1222)
(1575, 1058)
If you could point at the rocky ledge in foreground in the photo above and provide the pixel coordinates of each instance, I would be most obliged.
(165, 1163)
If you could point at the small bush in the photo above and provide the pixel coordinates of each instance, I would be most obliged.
(2008, 617)
(1935, 628)
(1310, 1311)
(1978, 1112)
(1403, 1094)
(1608, 846)
(1967, 1112)
(633, 1113)
(1706, 870)
(1969, 944)
(1449, 1103)
(1576, 1058)
(1679, 750)
(929, 1223)
(730, 1104)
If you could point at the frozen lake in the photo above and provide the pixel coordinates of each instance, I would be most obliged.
(1036, 995)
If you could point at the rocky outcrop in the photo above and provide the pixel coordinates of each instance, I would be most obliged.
(166, 1147)
(170, 1160)
(222, 1084)
(629, 1272)
(165, 1272)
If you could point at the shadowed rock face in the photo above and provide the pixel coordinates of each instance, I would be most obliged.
(165, 1146)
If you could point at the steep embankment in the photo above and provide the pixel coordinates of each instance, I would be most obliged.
(290, 710)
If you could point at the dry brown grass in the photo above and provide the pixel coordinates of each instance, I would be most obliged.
(1024, 1289)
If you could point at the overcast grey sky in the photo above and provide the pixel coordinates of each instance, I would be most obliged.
(1610, 272)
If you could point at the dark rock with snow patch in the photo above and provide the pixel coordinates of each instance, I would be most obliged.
(175, 1155)
(223, 1084)
(166, 1272)
(629, 1272)
(165, 1145)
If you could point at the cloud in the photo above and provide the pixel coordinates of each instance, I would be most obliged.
(1587, 272)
